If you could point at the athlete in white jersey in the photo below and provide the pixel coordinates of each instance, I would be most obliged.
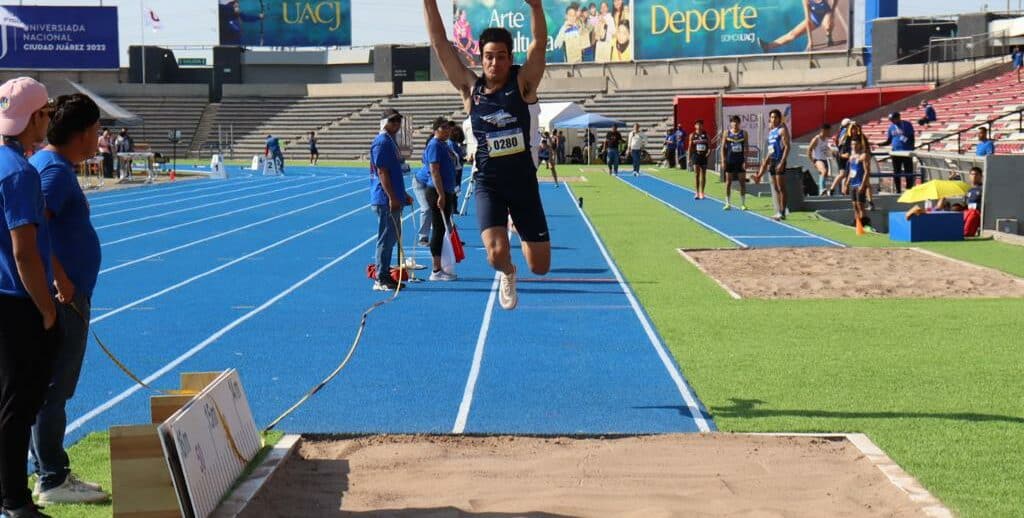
(818, 153)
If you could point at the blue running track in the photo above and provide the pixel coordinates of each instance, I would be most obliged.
(267, 275)
(745, 228)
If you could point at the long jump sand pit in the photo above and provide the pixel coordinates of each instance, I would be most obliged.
(645, 476)
(835, 273)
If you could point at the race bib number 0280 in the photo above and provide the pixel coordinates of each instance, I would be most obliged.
(504, 143)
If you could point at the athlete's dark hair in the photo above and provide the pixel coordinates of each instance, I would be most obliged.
(775, 112)
(439, 123)
(495, 35)
(826, 126)
(736, 119)
(698, 121)
(73, 114)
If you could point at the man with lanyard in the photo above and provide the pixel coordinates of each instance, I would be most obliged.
(775, 161)
(613, 155)
(387, 195)
(682, 142)
(700, 148)
(901, 136)
(76, 265)
(503, 108)
(670, 148)
(734, 158)
(30, 332)
(273, 152)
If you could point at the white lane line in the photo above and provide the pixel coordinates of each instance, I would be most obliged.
(687, 214)
(139, 191)
(223, 214)
(90, 415)
(183, 199)
(233, 262)
(182, 192)
(776, 237)
(673, 370)
(203, 206)
(478, 356)
(753, 213)
(227, 232)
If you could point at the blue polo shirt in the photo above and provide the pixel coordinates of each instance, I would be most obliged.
(680, 141)
(274, 145)
(987, 147)
(21, 196)
(384, 154)
(437, 152)
(73, 237)
(1018, 59)
(902, 136)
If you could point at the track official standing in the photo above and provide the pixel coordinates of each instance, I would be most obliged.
(387, 196)
(29, 329)
(76, 265)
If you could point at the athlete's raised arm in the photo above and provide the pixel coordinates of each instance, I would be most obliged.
(459, 75)
(536, 56)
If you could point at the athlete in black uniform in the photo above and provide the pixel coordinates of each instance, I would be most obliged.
(502, 106)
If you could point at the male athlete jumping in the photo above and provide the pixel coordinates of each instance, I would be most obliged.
(502, 106)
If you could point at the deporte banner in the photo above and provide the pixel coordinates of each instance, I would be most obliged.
(669, 29)
(277, 23)
(68, 38)
(578, 31)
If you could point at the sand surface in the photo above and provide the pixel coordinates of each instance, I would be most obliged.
(657, 476)
(832, 273)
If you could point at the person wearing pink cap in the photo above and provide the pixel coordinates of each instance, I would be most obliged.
(29, 329)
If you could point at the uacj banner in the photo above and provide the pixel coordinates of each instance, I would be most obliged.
(578, 32)
(276, 23)
(667, 29)
(43, 37)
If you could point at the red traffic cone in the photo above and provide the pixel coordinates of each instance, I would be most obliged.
(173, 175)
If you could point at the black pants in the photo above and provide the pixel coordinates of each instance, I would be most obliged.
(108, 165)
(27, 353)
(439, 219)
(670, 156)
(681, 158)
(902, 167)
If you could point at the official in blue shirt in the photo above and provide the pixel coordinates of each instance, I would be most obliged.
(387, 195)
(438, 174)
(670, 147)
(1018, 59)
(901, 136)
(985, 146)
(273, 151)
(29, 328)
(76, 265)
(681, 144)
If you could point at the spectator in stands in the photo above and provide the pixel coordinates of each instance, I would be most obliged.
(859, 181)
(76, 265)
(124, 144)
(1018, 58)
(818, 152)
(817, 13)
(682, 142)
(700, 149)
(612, 148)
(734, 159)
(273, 152)
(670, 146)
(29, 327)
(929, 114)
(560, 146)
(105, 145)
(637, 142)
(901, 137)
(314, 153)
(387, 196)
(777, 153)
(438, 174)
(986, 146)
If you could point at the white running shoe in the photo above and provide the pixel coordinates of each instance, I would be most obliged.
(73, 491)
(443, 276)
(507, 290)
(38, 487)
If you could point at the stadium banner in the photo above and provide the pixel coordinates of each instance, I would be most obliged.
(578, 31)
(64, 38)
(271, 23)
(670, 29)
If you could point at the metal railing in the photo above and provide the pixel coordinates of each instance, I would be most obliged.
(988, 123)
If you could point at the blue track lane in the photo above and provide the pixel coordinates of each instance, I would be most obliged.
(744, 228)
(274, 284)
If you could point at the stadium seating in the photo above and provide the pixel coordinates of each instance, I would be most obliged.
(964, 108)
(160, 115)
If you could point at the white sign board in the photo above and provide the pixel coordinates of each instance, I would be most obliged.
(754, 120)
(208, 443)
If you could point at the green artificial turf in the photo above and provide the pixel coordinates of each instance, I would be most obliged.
(935, 382)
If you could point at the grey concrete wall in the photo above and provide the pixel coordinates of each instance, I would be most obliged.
(1003, 193)
(153, 90)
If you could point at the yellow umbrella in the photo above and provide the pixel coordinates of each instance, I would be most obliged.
(935, 190)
